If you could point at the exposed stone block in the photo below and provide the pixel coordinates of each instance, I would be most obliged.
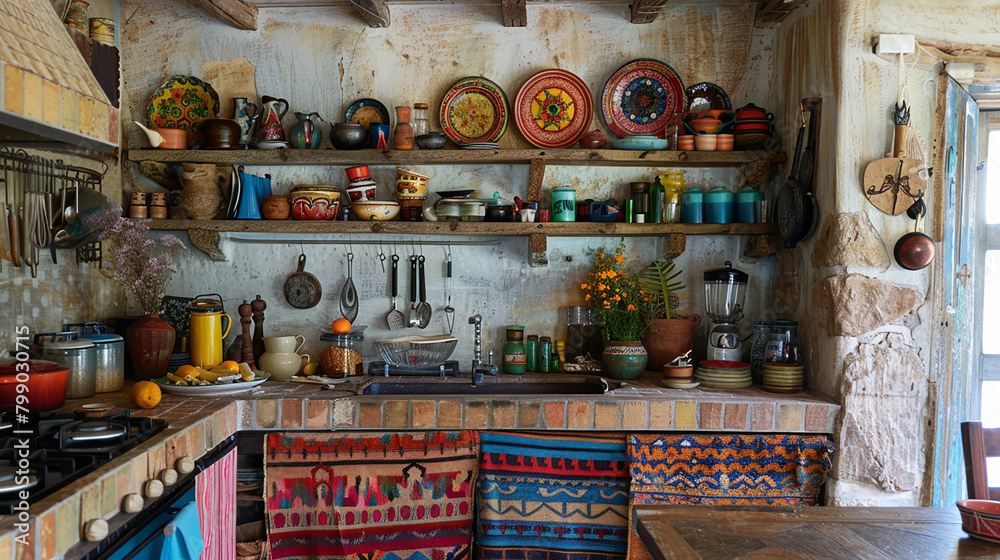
(854, 304)
(849, 239)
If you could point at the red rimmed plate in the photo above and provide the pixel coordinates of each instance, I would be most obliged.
(553, 109)
(641, 96)
(474, 110)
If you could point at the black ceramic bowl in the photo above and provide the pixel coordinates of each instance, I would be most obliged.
(348, 136)
(431, 141)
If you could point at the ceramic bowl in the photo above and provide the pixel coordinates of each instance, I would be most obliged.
(220, 134)
(724, 142)
(174, 138)
(410, 185)
(685, 143)
(756, 127)
(348, 136)
(362, 193)
(593, 140)
(705, 142)
(314, 202)
(751, 140)
(377, 210)
(431, 141)
(357, 173)
(980, 518)
(705, 126)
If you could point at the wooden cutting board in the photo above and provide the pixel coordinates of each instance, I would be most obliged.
(893, 184)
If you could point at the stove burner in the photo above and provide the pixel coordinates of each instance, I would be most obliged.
(9, 480)
(96, 430)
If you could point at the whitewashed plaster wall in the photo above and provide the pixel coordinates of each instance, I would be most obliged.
(323, 59)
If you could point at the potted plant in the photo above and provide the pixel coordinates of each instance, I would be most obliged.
(619, 303)
(669, 334)
(143, 266)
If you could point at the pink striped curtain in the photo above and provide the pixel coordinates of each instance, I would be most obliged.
(216, 488)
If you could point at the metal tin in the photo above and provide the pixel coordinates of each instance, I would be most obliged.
(545, 354)
(110, 361)
(514, 353)
(80, 356)
(531, 349)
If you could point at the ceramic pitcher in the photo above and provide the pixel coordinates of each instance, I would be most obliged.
(245, 113)
(207, 331)
(272, 112)
(306, 134)
(282, 359)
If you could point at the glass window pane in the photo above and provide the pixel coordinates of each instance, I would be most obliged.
(991, 419)
(991, 300)
(993, 179)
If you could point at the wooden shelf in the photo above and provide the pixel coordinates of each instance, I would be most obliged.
(485, 229)
(629, 158)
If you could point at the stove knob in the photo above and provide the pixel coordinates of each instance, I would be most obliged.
(133, 503)
(168, 477)
(153, 488)
(185, 465)
(95, 530)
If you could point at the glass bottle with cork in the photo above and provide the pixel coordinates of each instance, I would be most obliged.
(419, 120)
(514, 352)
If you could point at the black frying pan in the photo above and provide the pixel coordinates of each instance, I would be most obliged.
(810, 210)
(790, 204)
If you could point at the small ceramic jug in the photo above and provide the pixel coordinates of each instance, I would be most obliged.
(245, 113)
(272, 112)
(306, 134)
(281, 358)
(200, 197)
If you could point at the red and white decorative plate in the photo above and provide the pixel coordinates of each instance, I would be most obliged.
(474, 110)
(641, 96)
(553, 109)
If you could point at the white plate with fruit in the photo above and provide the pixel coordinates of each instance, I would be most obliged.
(224, 379)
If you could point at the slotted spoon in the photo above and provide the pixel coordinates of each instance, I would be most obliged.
(395, 318)
(349, 295)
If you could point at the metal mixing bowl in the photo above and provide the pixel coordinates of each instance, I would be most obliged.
(416, 352)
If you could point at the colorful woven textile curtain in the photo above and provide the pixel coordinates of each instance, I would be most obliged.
(751, 470)
(215, 495)
(370, 496)
(553, 496)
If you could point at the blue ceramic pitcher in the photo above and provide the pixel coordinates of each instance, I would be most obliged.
(306, 134)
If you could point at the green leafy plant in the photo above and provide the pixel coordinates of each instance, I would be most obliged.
(659, 280)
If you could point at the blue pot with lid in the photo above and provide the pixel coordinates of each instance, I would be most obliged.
(692, 206)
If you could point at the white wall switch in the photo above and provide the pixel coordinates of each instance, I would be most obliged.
(891, 43)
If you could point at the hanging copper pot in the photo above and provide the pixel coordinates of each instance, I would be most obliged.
(915, 250)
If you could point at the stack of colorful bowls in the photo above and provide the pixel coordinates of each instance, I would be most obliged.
(361, 187)
(753, 127)
(783, 378)
(411, 191)
(679, 377)
(720, 374)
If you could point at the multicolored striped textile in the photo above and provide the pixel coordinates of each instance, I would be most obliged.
(751, 470)
(552, 496)
(370, 496)
(215, 494)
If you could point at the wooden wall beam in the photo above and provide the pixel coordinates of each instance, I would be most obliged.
(646, 11)
(515, 13)
(773, 11)
(239, 14)
(374, 12)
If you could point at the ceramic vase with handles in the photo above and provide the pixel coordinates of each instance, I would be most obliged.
(245, 113)
(272, 112)
(281, 356)
(306, 134)
(200, 197)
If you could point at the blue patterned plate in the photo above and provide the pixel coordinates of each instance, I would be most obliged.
(366, 111)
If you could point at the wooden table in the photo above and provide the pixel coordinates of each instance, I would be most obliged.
(728, 532)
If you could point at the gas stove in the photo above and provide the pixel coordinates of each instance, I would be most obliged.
(61, 448)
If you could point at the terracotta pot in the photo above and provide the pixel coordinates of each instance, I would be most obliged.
(150, 341)
(593, 140)
(275, 208)
(200, 197)
(624, 359)
(665, 339)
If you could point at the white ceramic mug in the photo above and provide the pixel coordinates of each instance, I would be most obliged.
(284, 344)
(282, 365)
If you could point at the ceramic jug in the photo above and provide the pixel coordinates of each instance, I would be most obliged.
(273, 110)
(245, 113)
(281, 358)
(207, 331)
(306, 134)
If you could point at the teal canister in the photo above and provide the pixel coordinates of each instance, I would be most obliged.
(748, 206)
(563, 204)
(692, 206)
(719, 206)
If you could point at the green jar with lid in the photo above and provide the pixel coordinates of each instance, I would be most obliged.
(515, 355)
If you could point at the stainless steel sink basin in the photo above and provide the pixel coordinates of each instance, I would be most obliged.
(501, 385)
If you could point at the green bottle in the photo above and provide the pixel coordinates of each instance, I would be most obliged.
(515, 356)
(657, 196)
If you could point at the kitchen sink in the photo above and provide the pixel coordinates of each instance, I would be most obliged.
(506, 385)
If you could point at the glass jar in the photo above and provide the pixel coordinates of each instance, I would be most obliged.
(340, 358)
(673, 185)
(775, 342)
(419, 120)
(583, 337)
(531, 349)
(515, 355)
(640, 201)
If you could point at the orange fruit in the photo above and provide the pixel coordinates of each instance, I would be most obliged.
(187, 370)
(146, 394)
(341, 326)
(232, 366)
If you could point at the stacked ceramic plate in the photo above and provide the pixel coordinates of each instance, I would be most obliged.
(783, 378)
(720, 374)
(480, 146)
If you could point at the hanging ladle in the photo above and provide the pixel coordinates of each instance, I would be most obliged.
(349, 295)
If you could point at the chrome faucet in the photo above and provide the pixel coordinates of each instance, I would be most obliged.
(478, 369)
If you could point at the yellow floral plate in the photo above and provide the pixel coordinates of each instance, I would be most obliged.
(182, 102)
(474, 110)
(553, 109)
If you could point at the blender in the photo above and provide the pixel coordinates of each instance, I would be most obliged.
(725, 290)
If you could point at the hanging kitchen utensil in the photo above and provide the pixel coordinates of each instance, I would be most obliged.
(893, 184)
(349, 295)
(449, 311)
(412, 321)
(302, 289)
(423, 308)
(807, 176)
(789, 205)
(395, 318)
(916, 249)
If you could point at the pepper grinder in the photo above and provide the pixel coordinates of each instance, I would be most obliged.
(247, 351)
(258, 305)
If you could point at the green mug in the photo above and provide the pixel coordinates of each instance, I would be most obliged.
(563, 204)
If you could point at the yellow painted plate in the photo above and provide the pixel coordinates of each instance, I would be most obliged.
(182, 102)
(474, 110)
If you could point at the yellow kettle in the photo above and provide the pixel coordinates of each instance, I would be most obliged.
(207, 331)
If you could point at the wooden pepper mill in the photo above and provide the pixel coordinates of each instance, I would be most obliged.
(246, 353)
(258, 305)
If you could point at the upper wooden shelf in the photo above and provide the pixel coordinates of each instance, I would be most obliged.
(629, 158)
(500, 229)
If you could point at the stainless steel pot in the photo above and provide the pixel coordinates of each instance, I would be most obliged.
(80, 356)
(110, 370)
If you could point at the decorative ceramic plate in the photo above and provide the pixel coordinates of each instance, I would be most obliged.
(366, 111)
(211, 390)
(641, 96)
(706, 96)
(474, 110)
(640, 142)
(480, 146)
(553, 109)
(182, 102)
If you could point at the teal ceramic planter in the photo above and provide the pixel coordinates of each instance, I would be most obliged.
(624, 359)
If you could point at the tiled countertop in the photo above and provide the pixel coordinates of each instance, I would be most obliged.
(198, 424)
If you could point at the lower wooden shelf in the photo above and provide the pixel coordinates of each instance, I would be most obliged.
(485, 229)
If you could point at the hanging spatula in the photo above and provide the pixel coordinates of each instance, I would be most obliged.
(395, 318)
